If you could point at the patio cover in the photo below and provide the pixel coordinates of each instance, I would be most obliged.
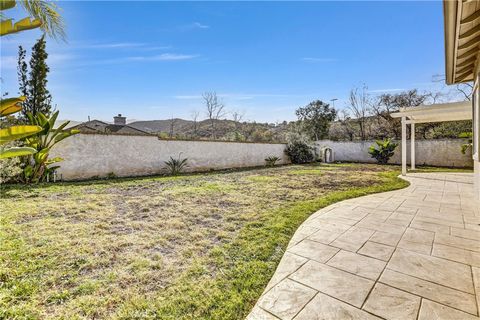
(454, 111)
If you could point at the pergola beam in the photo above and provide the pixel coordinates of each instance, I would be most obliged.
(404, 146)
(412, 146)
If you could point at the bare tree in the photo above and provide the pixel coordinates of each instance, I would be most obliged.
(237, 118)
(387, 103)
(466, 90)
(172, 127)
(194, 115)
(359, 106)
(461, 90)
(346, 122)
(215, 110)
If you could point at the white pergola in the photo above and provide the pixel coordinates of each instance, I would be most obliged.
(431, 113)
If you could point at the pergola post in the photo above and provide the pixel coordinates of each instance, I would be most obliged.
(404, 146)
(412, 146)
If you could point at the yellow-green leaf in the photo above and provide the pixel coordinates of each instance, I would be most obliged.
(17, 132)
(27, 24)
(6, 27)
(16, 152)
(10, 105)
(7, 4)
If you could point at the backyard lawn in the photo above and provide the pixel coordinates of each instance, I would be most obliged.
(197, 246)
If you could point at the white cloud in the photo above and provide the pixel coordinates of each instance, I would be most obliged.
(8, 62)
(138, 46)
(200, 25)
(163, 57)
(318, 60)
(159, 57)
(386, 90)
(188, 97)
(244, 96)
(186, 27)
(54, 59)
(114, 45)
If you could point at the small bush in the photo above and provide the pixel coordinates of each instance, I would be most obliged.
(176, 166)
(300, 152)
(469, 145)
(10, 168)
(384, 152)
(270, 161)
(111, 175)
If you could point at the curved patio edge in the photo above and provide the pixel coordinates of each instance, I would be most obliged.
(412, 253)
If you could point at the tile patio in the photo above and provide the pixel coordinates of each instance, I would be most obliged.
(407, 254)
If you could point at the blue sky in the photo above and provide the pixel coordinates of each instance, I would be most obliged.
(153, 60)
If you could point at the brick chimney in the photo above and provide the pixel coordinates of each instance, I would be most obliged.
(120, 120)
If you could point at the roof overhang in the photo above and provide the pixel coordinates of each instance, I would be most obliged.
(437, 112)
(462, 39)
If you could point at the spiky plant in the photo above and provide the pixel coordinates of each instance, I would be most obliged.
(176, 166)
(270, 161)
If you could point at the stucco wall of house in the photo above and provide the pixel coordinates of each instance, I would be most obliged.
(442, 152)
(97, 155)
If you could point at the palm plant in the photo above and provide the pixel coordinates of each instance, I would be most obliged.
(176, 166)
(15, 133)
(270, 161)
(384, 152)
(40, 166)
(44, 13)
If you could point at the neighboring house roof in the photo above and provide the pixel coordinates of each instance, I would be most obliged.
(71, 123)
(462, 40)
(103, 127)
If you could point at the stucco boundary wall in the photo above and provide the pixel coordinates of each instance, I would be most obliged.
(99, 155)
(441, 152)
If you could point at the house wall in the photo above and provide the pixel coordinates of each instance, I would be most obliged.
(476, 134)
(442, 152)
(96, 155)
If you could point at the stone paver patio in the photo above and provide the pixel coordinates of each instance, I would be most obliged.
(407, 254)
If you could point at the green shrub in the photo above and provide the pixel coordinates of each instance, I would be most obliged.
(384, 152)
(300, 152)
(469, 145)
(270, 161)
(111, 175)
(176, 166)
(10, 170)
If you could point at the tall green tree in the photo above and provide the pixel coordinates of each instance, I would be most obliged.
(34, 87)
(22, 72)
(46, 17)
(316, 118)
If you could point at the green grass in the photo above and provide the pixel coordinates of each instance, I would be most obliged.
(190, 247)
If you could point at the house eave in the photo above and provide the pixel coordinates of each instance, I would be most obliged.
(462, 40)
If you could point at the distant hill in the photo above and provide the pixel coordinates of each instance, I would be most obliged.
(157, 126)
(225, 129)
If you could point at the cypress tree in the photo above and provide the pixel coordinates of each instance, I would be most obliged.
(22, 72)
(35, 88)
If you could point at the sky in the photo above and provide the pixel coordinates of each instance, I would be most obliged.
(153, 60)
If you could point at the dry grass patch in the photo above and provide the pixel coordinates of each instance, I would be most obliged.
(189, 247)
